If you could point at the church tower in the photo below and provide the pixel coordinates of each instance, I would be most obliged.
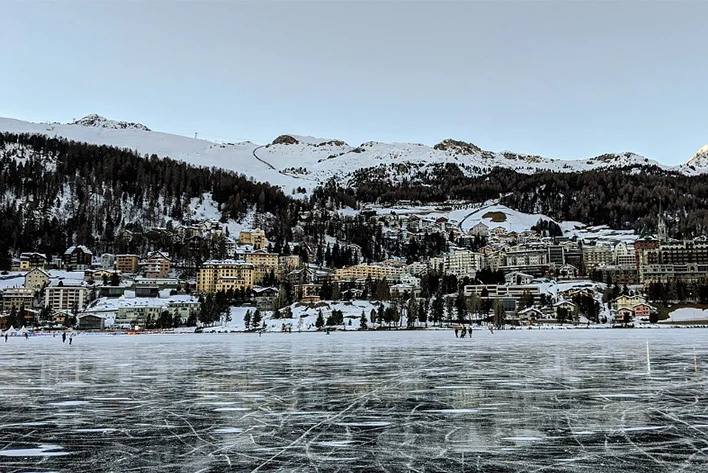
(661, 229)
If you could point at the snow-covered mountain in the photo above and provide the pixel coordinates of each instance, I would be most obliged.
(293, 161)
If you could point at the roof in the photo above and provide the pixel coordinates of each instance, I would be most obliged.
(73, 248)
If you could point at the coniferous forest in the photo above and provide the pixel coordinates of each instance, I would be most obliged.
(54, 193)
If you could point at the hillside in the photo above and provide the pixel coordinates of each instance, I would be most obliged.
(293, 161)
(54, 193)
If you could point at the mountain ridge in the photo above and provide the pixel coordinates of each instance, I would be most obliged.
(299, 162)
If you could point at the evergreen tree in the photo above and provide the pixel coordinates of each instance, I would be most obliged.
(247, 319)
(319, 323)
(363, 321)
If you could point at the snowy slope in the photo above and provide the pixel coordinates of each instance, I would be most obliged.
(293, 161)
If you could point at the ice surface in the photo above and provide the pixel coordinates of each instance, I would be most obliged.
(512, 401)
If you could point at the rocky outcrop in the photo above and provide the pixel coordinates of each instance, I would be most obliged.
(457, 147)
(97, 121)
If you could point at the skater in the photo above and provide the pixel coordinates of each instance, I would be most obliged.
(71, 338)
(455, 332)
(26, 336)
(5, 337)
(63, 337)
(464, 332)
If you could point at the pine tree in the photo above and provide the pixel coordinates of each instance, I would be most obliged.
(319, 323)
(247, 319)
(362, 321)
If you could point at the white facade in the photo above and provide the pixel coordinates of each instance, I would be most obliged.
(65, 297)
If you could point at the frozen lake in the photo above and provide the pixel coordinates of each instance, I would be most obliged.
(514, 401)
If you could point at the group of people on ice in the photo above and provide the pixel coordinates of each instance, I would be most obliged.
(462, 331)
(25, 334)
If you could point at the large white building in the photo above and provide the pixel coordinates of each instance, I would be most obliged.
(463, 263)
(65, 297)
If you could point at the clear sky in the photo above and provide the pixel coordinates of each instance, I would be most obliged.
(563, 79)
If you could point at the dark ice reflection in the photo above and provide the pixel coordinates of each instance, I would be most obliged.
(514, 401)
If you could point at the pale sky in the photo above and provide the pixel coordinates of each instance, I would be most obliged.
(562, 79)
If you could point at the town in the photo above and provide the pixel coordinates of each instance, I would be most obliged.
(482, 272)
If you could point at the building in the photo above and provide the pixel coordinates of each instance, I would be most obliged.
(307, 292)
(685, 260)
(556, 255)
(77, 258)
(256, 238)
(624, 256)
(266, 297)
(264, 263)
(17, 297)
(157, 265)
(92, 322)
(517, 277)
(222, 275)
(33, 260)
(596, 255)
(108, 261)
(567, 271)
(480, 230)
(127, 264)
(36, 279)
(463, 263)
(373, 271)
(66, 297)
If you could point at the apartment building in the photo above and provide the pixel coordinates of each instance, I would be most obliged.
(65, 297)
(17, 297)
(374, 271)
(157, 265)
(127, 264)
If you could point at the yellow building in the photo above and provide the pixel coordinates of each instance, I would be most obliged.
(263, 263)
(256, 238)
(222, 275)
(37, 279)
(374, 271)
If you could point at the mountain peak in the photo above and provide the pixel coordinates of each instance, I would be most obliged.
(700, 159)
(97, 121)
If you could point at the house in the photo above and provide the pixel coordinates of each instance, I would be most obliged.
(567, 271)
(33, 260)
(127, 263)
(567, 305)
(530, 314)
(77, 258)
(157, 265)
(307, 292)
(624, 316)
(643, 310)
(266, 297)
(61, 317)
(627, 301)
(108, 261)
(480, 230)
(36, 278)
(92, 322)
